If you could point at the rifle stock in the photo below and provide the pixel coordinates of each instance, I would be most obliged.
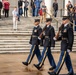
(57, 35)
(41, 35)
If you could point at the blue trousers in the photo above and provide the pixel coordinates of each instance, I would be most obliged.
(34, 50)
(47, 52)
(64, 57)
(36, 11)
(75, 25)
(33, 11)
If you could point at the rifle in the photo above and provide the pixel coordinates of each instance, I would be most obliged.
(41, 35)
(57, 35)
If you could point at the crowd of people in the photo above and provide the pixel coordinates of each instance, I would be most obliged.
(38, 8)
(72, 12)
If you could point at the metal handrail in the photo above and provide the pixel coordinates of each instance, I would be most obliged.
(56, 19)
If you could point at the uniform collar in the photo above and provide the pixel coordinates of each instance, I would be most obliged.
(66, 24)
(36, 26)
(48, 26)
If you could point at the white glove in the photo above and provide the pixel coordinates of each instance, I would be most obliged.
(52, 48)
(39, 38)
(68, 50)
(54, 38)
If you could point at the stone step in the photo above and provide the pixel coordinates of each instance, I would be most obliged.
(26, 46)
(25, 51)
(18, 41)
(18, 31)
(23, 41)
(14, 49)
(20, 34)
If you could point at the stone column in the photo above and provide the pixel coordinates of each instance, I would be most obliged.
(66, 2)
(48, 4)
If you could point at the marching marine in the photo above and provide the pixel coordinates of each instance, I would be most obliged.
(48, 44)
(34, 41)
(67, 38)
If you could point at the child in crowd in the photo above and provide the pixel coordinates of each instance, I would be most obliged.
(15, 18)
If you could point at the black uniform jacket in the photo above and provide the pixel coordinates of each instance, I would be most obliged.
(49, 33)
(67, 37)
(1, 5)
(35, 34)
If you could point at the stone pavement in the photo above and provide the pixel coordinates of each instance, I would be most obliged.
(11, 64)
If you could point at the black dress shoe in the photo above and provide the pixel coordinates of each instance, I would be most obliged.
(38, 67)
(70, 74)
(25, 63)
(52, 68)
(52, 73)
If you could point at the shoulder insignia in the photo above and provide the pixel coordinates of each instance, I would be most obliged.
(65, 30)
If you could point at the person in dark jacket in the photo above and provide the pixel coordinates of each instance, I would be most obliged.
(34, 41)
(74, 7)
(69, 6)
(20, 10)
(48, 45)
(74, 17)
(67, 39)
(33, 7)
(55, 7)
(71, 13)
(0, 8)
(20, 3)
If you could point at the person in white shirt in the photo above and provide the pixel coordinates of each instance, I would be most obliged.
(15, 18)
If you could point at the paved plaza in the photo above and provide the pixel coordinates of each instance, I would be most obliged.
(11, 64)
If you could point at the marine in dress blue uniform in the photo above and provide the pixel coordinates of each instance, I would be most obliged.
(67, 38)
(34, 41)
(48, 44)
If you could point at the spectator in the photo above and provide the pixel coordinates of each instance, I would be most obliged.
(26, 3)
(71, 13)
(69, 6)
(74, 7)
(0, 8)
(55, 7)
(75, 19)
(20, 3)
(20, 11)
(6, 8)
(15, 18)
(33, 7)
(43, 16)
(37, 6)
